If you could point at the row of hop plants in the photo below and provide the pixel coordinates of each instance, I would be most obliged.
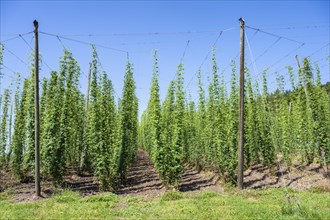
(290, 124)
(101, 139)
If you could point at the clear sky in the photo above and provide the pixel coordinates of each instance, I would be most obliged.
(132, 26)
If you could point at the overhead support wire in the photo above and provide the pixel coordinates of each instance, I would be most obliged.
(59, 39)
(182, 57)
(266, 50)
(101, 67)
(25, 42)
(254, 34)
(143, 34)
(321, 59)
(21, 36)
(301, 27)
(313, 53)
(274, 35)
(213, 45)
(47, 66)
(64, 48)
(5, 47)
(279, 60)
(278, 39)
(18, 35)
(8, 69)
(285, 56)
(184, 52)
(252, 57)
(4, 74)
(318, 50)
(83, 42)
(207, 55)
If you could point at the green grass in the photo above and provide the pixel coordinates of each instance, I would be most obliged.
(230, 204)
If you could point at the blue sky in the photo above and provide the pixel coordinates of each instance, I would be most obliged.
(131, 26)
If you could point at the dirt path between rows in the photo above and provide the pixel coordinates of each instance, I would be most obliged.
(143, 180)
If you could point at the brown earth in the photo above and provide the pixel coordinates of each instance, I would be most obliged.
(299, 177)
(143, 180)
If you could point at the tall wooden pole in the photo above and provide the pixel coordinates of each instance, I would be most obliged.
(36, 109)
(241, 111)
